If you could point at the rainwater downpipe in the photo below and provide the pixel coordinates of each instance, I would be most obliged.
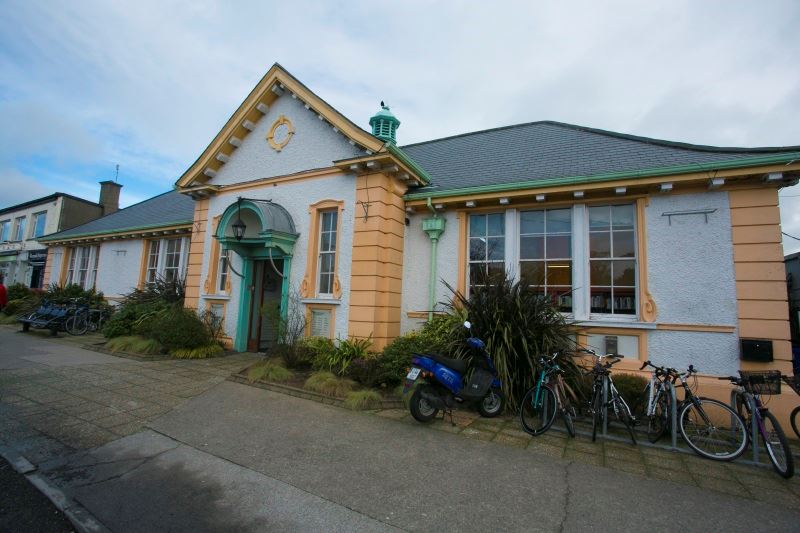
(434, 227)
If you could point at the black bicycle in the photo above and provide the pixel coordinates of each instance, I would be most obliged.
(605, 395)
(711, 428)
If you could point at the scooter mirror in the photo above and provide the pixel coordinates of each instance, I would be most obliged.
(467, 324)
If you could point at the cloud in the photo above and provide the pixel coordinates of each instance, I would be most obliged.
(148, 84)
(16, 187)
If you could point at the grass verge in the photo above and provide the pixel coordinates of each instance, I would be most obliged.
(328, 384)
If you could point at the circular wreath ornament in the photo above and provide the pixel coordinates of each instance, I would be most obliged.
(280, 133)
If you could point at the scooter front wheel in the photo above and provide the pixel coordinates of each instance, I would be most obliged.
(420, 408)
(492, 404)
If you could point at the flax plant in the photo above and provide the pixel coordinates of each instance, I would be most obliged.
(518, 325)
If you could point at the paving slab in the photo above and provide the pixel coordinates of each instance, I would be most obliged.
(431, 480)
(185, 489)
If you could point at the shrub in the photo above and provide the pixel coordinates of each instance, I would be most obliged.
(201, 352)
(134, 344)
(269, 371)
(336, 359)
(296, 356)
(328, 384)
(630, 387)
(396, 358)
(21, 305)
(363, 399)
(63, 294)
(17, 291)
(439, 332)
(175, 328)
(160, 290)
(128, 318)
(517, 324)
(366, 371)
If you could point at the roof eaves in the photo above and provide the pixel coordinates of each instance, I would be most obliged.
(577, 180)
(116, 231)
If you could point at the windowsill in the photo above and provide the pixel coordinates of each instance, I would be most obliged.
(616, 323)
(326, 301)
(221, 296)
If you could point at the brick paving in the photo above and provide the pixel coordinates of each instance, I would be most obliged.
(744, 480)
(85, 406)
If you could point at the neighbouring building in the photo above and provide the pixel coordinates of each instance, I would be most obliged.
(655, 249)
(126, 249)
(23, 254)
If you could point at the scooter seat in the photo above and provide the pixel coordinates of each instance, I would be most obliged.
(459, 365)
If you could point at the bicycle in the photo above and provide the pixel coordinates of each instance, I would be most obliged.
(549, 396)
(657, 401)
(750, 386)
(605, 395)
(794, 418)
(85, 319)
(702, 422)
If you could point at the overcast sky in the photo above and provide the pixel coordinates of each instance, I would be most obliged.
(87, 85)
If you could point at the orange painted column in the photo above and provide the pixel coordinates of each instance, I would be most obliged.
(377, 267)
(761, 294)
(196, 245)
(48, 267)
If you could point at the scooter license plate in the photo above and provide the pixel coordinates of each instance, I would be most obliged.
(413, 374)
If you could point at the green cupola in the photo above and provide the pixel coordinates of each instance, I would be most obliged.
(384, 124)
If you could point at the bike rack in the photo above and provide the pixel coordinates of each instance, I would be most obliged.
(753, 428)
(673, 417)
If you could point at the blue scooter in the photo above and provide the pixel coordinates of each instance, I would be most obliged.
(441, 383)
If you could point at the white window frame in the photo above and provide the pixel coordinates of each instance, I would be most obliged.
(509, 229)
(92, 256)
(580, 259)
(5, 230)
(19, 228)
(223, 268)
(161, 258)
(332, 252)
(41, 215)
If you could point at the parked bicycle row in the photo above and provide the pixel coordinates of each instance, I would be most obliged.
(711, 428)
(75, 317)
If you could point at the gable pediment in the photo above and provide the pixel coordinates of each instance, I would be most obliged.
(311, 121)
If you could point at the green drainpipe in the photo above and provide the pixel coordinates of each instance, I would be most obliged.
(434, 227)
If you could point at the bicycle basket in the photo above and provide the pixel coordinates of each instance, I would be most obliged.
(761, 381)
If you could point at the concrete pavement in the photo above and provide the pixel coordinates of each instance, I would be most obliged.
(228, 456)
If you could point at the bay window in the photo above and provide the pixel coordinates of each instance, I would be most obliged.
(583, 257)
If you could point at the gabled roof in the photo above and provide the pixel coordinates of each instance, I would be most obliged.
(44, 200)
(168, 209)
(275, 82)
(547, 150)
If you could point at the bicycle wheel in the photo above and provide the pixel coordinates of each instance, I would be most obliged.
(777, 446)
(657, 423)
(795, 419)
(624, 416)
(712, 429)
(537, 415)
(597, 412)
(76, 324)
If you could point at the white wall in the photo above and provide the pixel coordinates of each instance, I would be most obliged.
(295, 198)
(313, 145)
(416, 266)
(118, 267)
(691, 278)
(19, 271)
